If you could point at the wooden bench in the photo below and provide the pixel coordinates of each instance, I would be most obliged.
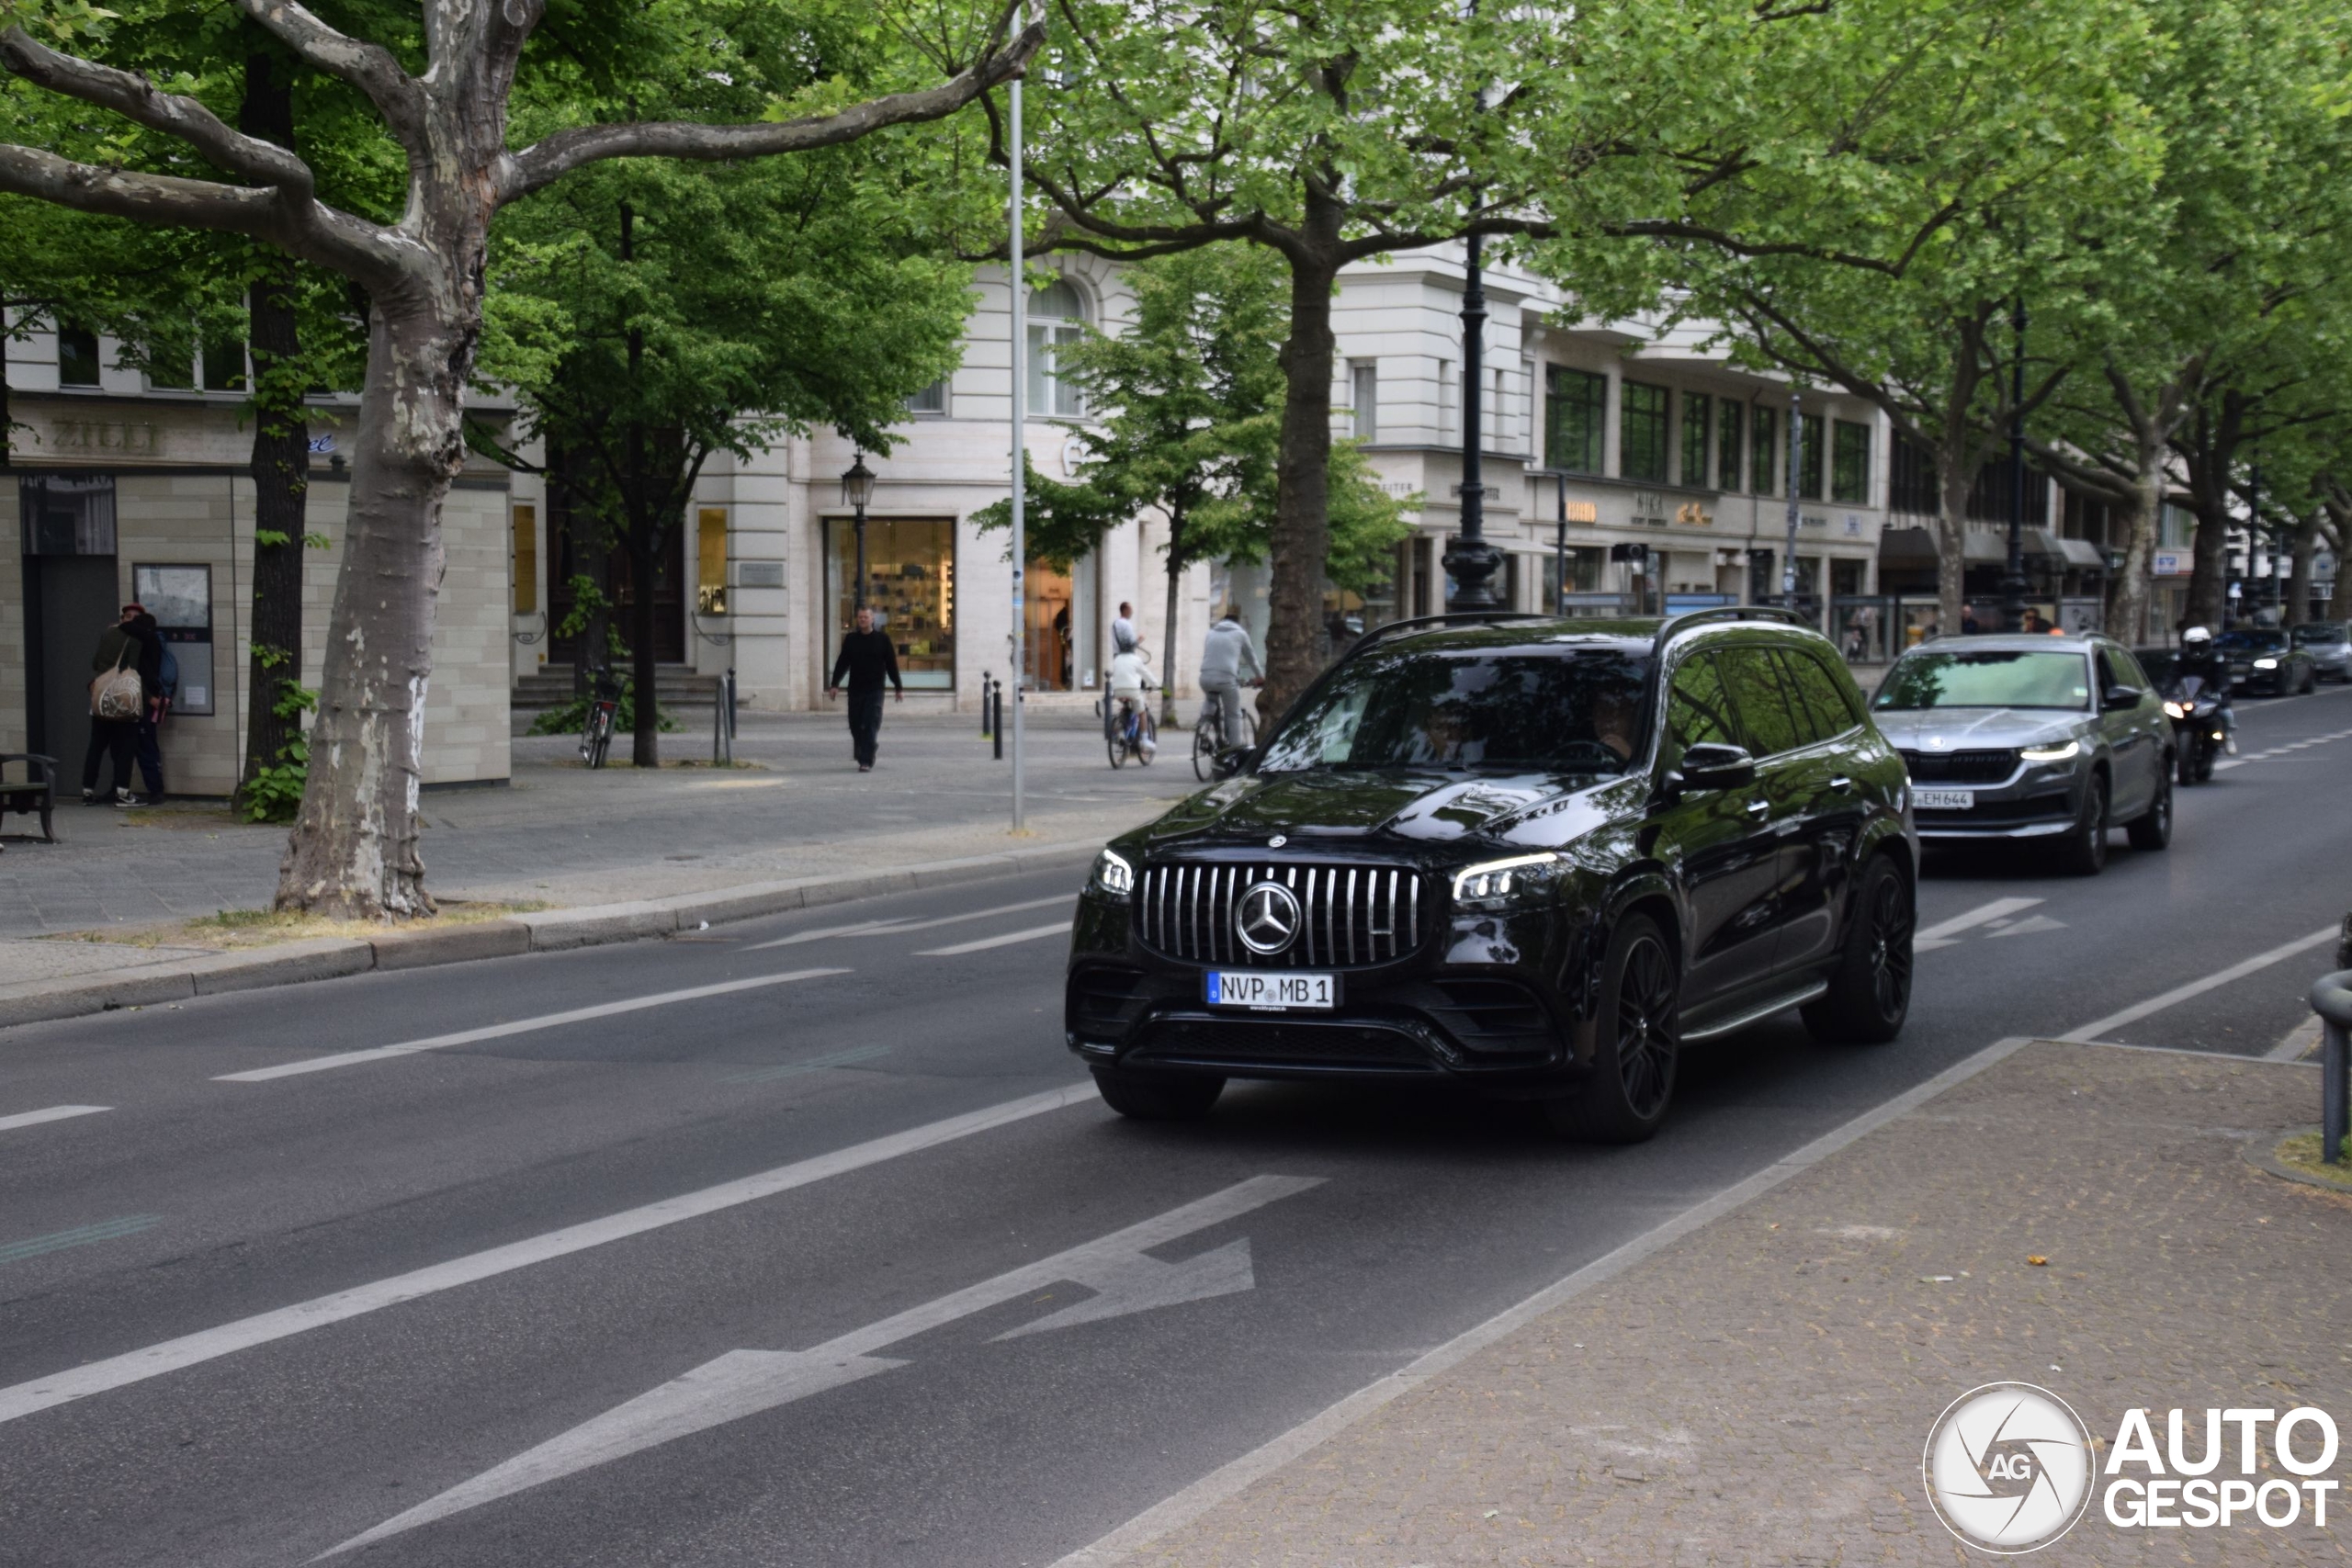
(36, 793)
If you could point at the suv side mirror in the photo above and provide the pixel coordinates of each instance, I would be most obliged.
(2121, 697)
(1710, 766)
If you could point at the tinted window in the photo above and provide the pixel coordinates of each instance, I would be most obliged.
(2115, 670)
(2128, 666)
(1698, 709)
(1579, 712)
(2319, 632)
(2256, 641)
(1988, 680)
(1824, 691)
(1770, 719)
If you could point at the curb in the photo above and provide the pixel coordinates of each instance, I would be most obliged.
(547, 930)
(2261, 1153)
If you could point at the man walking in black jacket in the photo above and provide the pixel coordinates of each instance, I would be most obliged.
(866, 659)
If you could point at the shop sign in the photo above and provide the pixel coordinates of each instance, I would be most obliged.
(117, 437)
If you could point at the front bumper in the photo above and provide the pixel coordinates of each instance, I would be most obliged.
(2037, 800)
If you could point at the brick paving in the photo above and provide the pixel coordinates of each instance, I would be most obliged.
(559, 834)
(1760, 1392)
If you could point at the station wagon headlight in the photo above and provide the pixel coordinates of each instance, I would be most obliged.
(1112, 876)
(2266, 664)
(2057, 753)
(1493, 882)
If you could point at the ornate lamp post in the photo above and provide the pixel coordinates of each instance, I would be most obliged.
(2013, 583)
(857, 490)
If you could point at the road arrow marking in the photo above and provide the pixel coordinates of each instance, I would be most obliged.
(1946, 933)
(745, 1382)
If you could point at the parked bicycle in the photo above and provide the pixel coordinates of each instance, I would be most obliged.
(1209, 739)
(1130, 731)
(604, 705)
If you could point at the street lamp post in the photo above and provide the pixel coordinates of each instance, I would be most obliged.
(2013, 571)
(857, 490)
(1796, 469)
(1469, 559)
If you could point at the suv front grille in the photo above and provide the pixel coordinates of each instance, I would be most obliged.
(1960, 767)
(1350, 915)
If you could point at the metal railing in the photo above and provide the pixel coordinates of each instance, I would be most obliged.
(2332, 1000)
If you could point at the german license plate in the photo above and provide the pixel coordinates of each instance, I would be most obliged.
(1264, 991)
(1944, 799)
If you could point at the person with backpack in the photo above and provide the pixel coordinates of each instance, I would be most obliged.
(126, 669)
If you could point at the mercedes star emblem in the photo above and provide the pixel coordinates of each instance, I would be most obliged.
(1278, 840)
(1267, 918)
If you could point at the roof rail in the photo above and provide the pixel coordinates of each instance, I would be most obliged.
(1685, 622)
(1382, 632)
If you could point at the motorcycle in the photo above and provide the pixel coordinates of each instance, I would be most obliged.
(2198, 731)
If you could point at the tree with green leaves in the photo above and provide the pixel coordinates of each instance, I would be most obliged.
(440, 93)
(1191, 396)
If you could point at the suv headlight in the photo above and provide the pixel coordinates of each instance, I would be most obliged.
(2057, 753)
(1494, 883)
(1112, 876)
(2266, 664)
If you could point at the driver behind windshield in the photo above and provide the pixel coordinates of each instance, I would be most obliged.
(1570, 712)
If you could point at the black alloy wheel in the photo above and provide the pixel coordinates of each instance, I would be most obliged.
(1637, 1043)
(2152, 828)
(2084, 852)
(1869, 991)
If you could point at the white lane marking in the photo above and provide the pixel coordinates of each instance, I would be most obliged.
(987, 941)
(2031, 925)
(1124, 1278)
(54, 1113)
(908, 923)
(2298, 1042)
(1946, 933)
(1223, 1482)
(2226, 764)
(519, 1026)
(2090, 1032)
(153, 1360)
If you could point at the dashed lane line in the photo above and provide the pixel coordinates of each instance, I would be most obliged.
(987, 941)
(518, 1026)
(2283, 750)
(907, 923)
(81, 1236)
(53, 1113)
(2089, 1034)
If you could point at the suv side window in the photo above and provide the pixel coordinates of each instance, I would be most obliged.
(1824, 694)
(2129, 667)
(1698, 709)
(1767, 710)
(2116, 669)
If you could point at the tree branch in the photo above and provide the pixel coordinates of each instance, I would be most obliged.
(534, 167)
(397, 96)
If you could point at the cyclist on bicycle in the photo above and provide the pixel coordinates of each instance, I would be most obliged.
(1130, 678)
(1226, 654)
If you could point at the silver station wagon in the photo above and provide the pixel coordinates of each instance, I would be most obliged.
(2016, 738)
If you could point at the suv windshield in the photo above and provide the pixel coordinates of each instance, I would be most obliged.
(1580, 711)
(2255, 641)
(1992, 679)
(2318, 631)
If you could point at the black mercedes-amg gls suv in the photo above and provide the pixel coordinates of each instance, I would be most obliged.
(1538, 855)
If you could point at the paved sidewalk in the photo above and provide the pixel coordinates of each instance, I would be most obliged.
(1759, 1391)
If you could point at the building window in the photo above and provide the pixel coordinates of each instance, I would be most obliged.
(224, 367)
(1696, 406)
(1576, 403)
(1764, 452)
(1640, 431)
(77, 357)
(1911, 479)
(1849, 468)
(66, 514)
(167, 373)
(909, 586)
(1056, 319)
(1727, 439)
(1363, 387)
(1809, 445)
(931, 399)
(1584, 563)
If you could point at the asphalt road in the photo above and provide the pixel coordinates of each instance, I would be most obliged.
(849, 1268)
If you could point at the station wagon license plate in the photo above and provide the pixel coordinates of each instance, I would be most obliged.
(1263, 990)
(1944, 799)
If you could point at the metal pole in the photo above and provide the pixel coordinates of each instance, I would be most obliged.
(2013, 573)
(1020, 462)
(1471, 561)
(1561, 605)
(858, 528)
(1796, 466)
(984, 705)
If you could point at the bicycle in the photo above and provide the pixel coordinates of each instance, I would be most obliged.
(1130, 731)
(1209, 739)
(604, 704)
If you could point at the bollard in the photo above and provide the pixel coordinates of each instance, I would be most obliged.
(986, 684)
(997, 701)
(2332, 1000)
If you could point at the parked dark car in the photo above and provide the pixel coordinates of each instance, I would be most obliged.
(1535, 855)
(2262, 659)
(2329, 644)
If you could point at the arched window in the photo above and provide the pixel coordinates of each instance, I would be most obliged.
(1056, 318)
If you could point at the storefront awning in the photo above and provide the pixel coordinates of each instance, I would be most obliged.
(2084, 554)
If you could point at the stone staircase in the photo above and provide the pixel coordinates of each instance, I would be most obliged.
(677, 688)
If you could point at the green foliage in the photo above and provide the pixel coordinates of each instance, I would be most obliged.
(588, 604)
(274, 793)
(571, 717)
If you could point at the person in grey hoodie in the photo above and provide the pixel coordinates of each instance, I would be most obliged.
(1227, 659)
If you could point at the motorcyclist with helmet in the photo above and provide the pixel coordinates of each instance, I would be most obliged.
(2200, 657)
